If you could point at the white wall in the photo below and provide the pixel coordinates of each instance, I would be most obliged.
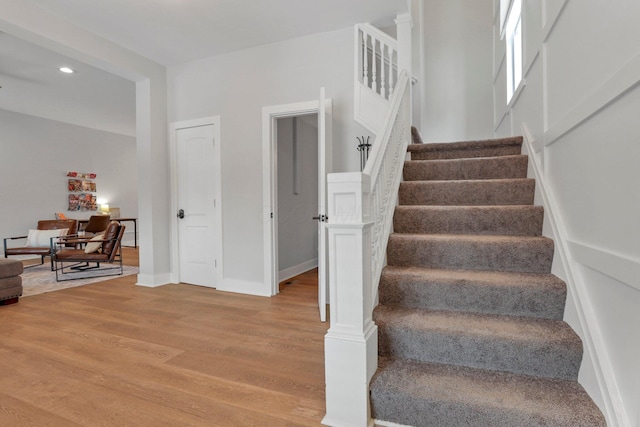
(457, 82)
(237, 86)
(579, 112)
(36, 156)
(297, 197)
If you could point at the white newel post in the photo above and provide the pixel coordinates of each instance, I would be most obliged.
(351, 343)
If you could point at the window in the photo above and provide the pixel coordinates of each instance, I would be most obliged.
(513, 35)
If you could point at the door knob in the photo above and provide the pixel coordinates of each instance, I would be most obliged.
(181, 213)
(321, 218)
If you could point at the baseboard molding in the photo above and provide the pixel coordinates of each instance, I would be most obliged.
(244, 287)
(624, 269)
(592, 339)
(290, 272)
(153, 280)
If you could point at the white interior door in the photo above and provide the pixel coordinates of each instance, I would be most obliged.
(196, 200)
(324, 167)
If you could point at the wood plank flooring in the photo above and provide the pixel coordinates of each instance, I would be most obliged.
(116, 354)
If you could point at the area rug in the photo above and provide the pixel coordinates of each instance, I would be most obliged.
(40, 279)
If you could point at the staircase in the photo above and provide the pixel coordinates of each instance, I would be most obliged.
(470, 326)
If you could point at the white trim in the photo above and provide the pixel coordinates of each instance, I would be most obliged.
(496, 72)
(153, 280)
(593, 342)
(622, 268)
(618, 85)
(550, 25)
(290, 272)
(243, 287)
(529, 65)
(504, 10)
(174, 252)
(517, 93)
(269, 190)
(504, 115)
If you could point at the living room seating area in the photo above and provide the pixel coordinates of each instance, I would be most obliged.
(38, 241)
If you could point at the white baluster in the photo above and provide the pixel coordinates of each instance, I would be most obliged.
(365, 60)
(391, 73)
(374, 64)
(383, 89)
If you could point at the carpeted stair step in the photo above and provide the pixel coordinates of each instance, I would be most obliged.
(489, 292)
(465, 149)
(468, 193)
(470, 328)
(432, 395)
(522, 254)
(522, 345)
(474, 168)
(514, 220)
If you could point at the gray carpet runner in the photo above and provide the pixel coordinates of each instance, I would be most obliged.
(470, 316)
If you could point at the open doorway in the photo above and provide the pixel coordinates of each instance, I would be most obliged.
(297, 194)
(322, 109)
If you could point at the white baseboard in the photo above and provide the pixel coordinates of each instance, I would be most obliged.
(290, 272)
(244, 287)
(592, 339)
(153, 280)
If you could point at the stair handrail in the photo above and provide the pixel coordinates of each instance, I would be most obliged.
(361, 206)
(384, 166)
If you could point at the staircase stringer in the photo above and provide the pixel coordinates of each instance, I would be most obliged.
(587, 327)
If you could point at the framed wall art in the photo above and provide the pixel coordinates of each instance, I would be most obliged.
(82, 189)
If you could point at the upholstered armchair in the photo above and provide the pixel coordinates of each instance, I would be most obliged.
(103, 248)
(38, 241)
(96, 225)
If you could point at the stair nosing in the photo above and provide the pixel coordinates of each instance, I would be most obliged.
(449, 181)
(466, 145)
(475, 324)
(470, 237)
(467, 159)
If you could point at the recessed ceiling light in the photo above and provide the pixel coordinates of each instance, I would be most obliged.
(67, 70)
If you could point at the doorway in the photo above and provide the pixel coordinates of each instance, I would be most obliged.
(270, 115)
(297, 194)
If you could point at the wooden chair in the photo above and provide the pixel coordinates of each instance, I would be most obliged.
(40, 247)
(101, 249)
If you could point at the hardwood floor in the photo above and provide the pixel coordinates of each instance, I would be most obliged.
(116, 354)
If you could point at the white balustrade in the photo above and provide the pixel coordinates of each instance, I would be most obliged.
(361, 207)
(377, 67)
(379, 59)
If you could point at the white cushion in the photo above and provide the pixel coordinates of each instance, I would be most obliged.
(94, 246)
(40, 238)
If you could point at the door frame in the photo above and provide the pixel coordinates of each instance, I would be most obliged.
(269, 181)
(174, 127)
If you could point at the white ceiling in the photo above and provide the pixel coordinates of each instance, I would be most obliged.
(176, 31)
(32, 84)
(166, 31)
